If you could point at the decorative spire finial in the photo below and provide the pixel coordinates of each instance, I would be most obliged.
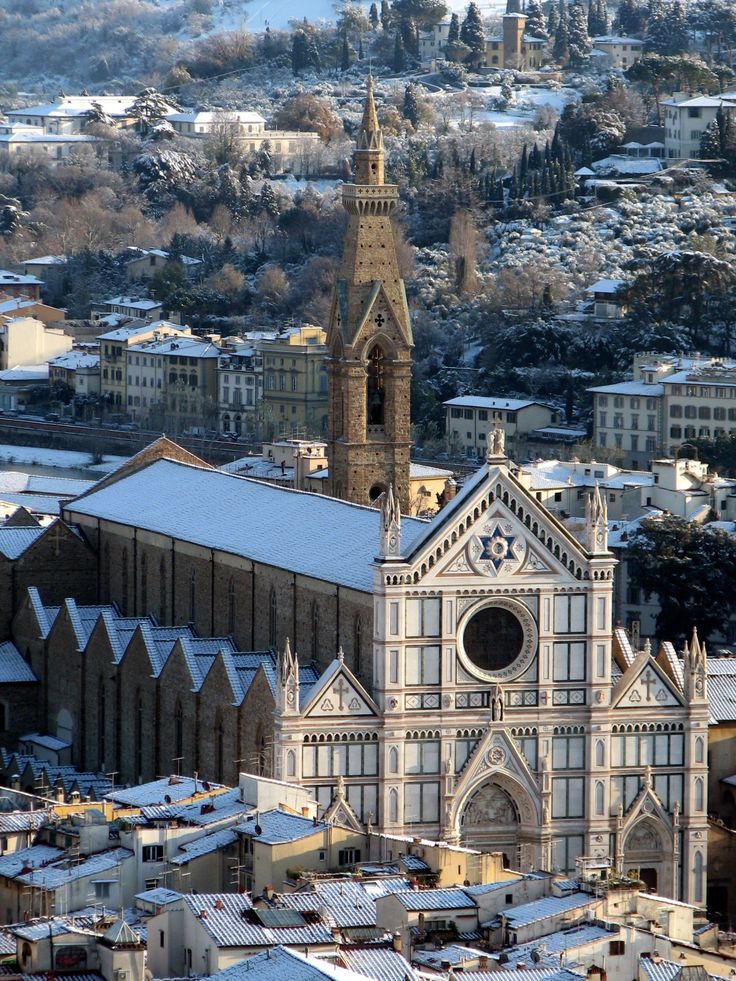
(341, 655)
(596, 519)
(390, 533)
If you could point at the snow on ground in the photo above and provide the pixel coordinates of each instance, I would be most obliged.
(68, 459)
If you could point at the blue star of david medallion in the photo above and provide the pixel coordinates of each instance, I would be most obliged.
(498, 551)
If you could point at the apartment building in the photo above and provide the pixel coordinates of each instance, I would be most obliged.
(172, 381)
(686, 117)
(295, 383)
(468, 419)
(670, 400)
(114, 345)
(239, 388)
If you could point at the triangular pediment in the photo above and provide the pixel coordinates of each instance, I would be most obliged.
(645, 805)
(498, 532)
(338, 693)
(379, 315)
(341, 813)
(645, 685)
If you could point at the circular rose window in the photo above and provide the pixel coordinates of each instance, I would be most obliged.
(498, 640)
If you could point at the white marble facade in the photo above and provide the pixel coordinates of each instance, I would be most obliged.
(506, 712)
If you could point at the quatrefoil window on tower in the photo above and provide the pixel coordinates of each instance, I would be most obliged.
(379, 320)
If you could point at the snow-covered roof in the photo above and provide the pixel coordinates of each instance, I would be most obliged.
(306, 533)
(606, 286)
(156, 791)
(620, 164)
(482, 402)
(614, 39)
(74, 360)
(224, 116)
(278, 827)
(31, 134)
(185, 260)
(13, 667)
(630, 388)
(15, 541)
(701, 101)
(25, 373)
(231, 921)
(45, 260)
(279, 963)
(47, 742)
(133, 302)
(177, 344)
(8, 278)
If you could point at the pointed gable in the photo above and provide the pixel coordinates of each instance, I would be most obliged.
(644, 684)
(162, 448)
(339, 693)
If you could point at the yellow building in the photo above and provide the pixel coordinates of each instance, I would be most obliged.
(113, 358)
(294, 382)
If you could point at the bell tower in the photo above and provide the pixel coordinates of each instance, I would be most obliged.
(369, 338)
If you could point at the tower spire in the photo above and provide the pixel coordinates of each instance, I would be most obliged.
(369, 337)
(370, 136)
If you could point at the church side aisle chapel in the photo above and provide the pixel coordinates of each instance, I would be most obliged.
(506, 712)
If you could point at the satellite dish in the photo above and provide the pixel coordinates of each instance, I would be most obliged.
(167, 798)
(536, 956)
(205, 785)
(258, 830)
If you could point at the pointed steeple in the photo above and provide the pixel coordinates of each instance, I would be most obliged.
(390, 533)
(370, 136)
(596, 522)
(288, 675)
(369, 145)
(695, 669)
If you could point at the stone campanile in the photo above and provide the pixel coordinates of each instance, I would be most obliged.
(369, 338)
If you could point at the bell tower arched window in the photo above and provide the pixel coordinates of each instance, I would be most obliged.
(375, 391)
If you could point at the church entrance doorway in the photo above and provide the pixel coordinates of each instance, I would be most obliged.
(490, 822)
(644, 851)
(649, 878)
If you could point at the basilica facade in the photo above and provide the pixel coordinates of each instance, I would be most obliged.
(505, 711)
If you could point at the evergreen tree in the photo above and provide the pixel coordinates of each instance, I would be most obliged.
(313, 59)
(345, 56)
(373, 17)
(409, 35)
(657, 38)
(453, 34)
(399, 53)
(553, 20)
(267, 201)
(535, 24)
(473, 33)
(710, 145)
(410, 110)
(360, 48)
(299, 52)
(579, 40)
(679, 34)
(561, 47)
(385, 15)
(604, 23)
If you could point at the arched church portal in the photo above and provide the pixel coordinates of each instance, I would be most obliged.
(643, 851)
(490, 821)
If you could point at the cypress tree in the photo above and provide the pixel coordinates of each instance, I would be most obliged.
(373, 17)
(345, 57)
(561, 47)
(453, 34)
(553, 19)
(524, 166)
(411, 107)
(386, 17)
(399, 53)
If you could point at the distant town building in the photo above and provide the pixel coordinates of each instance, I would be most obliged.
(686, 117)
(18, 141)
(80, 369)
(294, 382)
(621, 52)
(16, 284)
(143, 264)
(240, 388)
(469, 418)
(25, 341)
(670, 400)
